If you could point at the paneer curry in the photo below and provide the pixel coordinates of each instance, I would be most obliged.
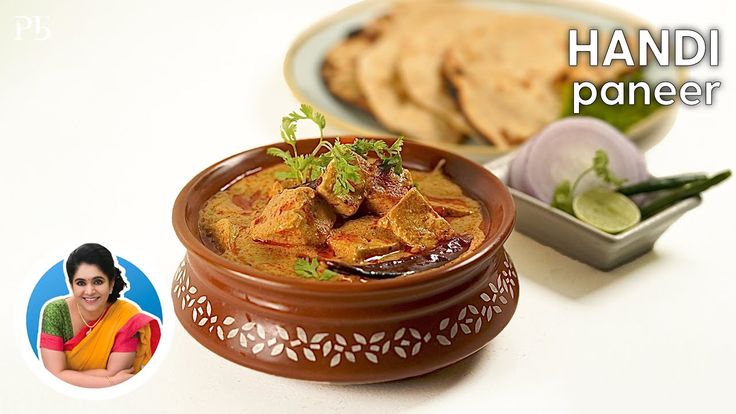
(356, 214)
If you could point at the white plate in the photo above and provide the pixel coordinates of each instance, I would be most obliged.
(305, 56)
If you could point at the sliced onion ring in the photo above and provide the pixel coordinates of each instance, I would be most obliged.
(566, 148)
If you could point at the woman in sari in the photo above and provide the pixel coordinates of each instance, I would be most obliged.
(93, 338)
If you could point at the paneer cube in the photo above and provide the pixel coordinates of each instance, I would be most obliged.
(450, 207)
(224, 233)
(294, 216)
(345, 205)
(386, 190)
(445, 197)
(415, 223)
(361, 239)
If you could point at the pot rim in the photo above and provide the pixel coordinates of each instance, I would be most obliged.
(241, 272)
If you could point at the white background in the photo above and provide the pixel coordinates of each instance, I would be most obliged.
(103, 123)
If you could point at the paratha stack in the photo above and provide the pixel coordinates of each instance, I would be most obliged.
(443, 70)
(338, 68)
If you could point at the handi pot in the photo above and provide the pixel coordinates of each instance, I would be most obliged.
(377, 331)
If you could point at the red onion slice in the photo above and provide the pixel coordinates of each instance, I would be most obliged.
(566, 147)
(517, 170)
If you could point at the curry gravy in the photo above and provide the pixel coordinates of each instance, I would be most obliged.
(227, 218)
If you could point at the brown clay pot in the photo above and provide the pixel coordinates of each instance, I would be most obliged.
(346, 332)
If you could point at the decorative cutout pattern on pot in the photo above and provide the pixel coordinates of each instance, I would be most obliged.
(405, 342)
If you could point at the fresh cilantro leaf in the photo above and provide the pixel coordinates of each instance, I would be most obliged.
(564, 192)
(346, 171)
(393, 159)
(288, 132)
(310, 166)
(310, 270)
(307, 112)
(390, 156)
(319, 166)
(562, 198)
(363, 146)
(305, 268)
(315, 116)
(278, 152)
(600, 166)
(301, 167)
(285, 175)
(293, 162)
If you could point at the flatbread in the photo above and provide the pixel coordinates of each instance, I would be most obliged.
(504, 76)
(388, 102)
(385, 94)
(508, 76)
(338, 69)
(423, 52)
(440, 70)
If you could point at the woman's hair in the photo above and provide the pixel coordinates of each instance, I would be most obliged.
(98, 255)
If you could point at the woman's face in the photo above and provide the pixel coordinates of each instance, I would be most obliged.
(91, 288)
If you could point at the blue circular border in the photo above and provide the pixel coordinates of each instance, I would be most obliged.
(53, 284)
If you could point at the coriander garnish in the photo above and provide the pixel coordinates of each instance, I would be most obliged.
(564, 192)
(306, 167)
(390, 156)
(346, 171)
(309, 270)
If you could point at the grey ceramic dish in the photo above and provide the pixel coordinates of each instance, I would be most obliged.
(580, 241)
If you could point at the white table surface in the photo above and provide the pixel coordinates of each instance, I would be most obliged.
(102, 124)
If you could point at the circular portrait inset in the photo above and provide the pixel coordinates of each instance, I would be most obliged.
(94, 320)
